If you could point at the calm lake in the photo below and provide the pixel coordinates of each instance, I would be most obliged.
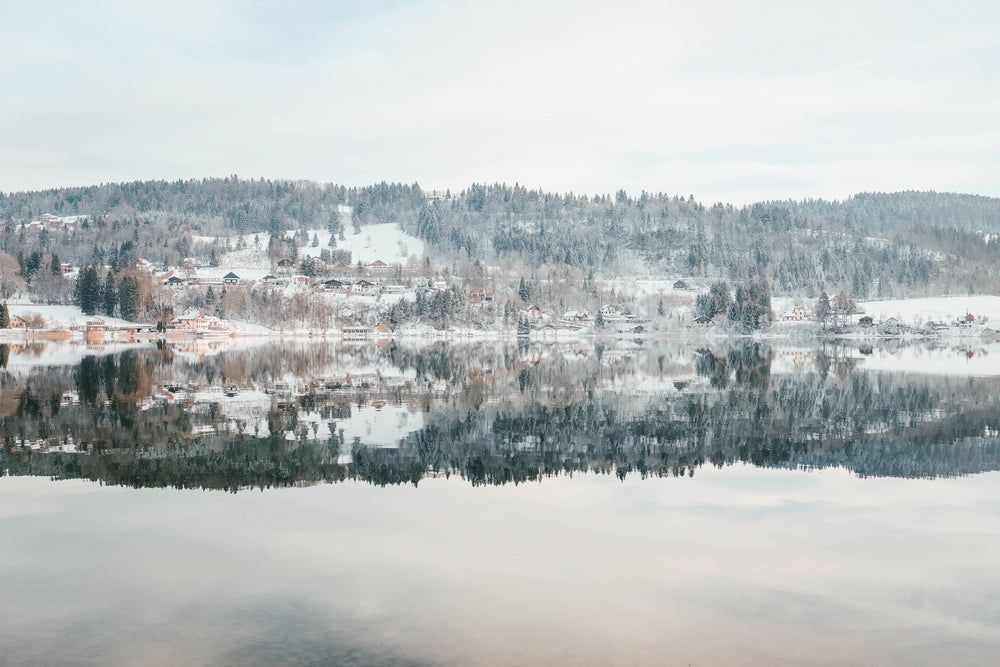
(648, 502)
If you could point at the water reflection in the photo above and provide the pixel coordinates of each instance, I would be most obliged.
(220, 416)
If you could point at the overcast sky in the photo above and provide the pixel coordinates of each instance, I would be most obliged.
(729, 101)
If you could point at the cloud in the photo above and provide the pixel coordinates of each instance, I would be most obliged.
(723, 100)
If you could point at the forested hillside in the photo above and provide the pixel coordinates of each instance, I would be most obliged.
(871, 245)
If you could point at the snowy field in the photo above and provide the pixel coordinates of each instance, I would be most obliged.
(386, 242)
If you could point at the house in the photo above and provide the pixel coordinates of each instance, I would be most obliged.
(638, 329)
(576, 316)
(866, 321)
(702, 321)
(194, 320)
(333, 285)
(17, 322)
(533, 311)
(268, 279)
(285, 263)
(440, 285)
(796, 314)
(610, 312)
(174, 281)
(382, 329)
(96, 326)
(378, 266)
(363, 287)
(969, 318)
(143, 265)
(394, 289)
(680, 284)
(66, 268)
(890, 326)
(230, 279)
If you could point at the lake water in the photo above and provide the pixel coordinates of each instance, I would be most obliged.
(495, 503)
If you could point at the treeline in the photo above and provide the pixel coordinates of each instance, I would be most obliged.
(869, 246)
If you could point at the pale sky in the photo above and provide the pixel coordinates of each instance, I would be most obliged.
(729, 101)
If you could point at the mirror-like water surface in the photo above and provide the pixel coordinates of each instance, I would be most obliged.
(495, 503)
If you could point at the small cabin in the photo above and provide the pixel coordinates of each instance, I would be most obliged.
(230, 279)
(96, 326)
(364, 287)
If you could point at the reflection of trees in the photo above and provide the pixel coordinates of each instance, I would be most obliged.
(513, 416)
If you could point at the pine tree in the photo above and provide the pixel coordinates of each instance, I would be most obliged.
(823, 309)
(4, 316)
(128, 298)
(87, 292)
(109, 296)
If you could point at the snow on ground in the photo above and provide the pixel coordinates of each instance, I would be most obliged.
(938, 309)
(62, 317)
(387, 242)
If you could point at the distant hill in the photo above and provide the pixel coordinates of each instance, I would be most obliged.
(906, 209)
(871, 245)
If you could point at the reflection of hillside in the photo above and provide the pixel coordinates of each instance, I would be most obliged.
(489, 413)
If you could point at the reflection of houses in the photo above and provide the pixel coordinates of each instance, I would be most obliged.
(356, 333)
